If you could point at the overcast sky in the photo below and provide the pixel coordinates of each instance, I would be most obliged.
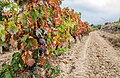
(95, 11)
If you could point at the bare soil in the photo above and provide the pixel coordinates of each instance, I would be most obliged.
(5, 58)
(93, 57)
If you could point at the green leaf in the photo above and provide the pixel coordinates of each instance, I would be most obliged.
(55, 33)
(52, 77)
(47, 67)
(12, 28)
(34, 14)
(16, 67)
(3, 33)
(15, 55)
(15, 58)
(24, 38)
(3, 37)
(25, 20)
(2, 43)
(4, 66)
(48, 40)
(8, 74)
(32, 43)
(1, 26)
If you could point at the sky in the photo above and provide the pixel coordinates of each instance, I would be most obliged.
(95, 11)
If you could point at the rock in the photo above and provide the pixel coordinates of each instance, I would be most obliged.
(117, 44)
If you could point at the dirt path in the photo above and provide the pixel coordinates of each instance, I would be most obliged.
(92, 58)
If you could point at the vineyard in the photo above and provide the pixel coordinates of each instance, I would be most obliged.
(40, 31)
(41, 39)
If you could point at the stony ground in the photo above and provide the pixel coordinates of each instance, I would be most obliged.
(92, 58)
(5, 58)
(111, 38)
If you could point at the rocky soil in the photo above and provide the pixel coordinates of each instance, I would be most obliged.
(93, 57)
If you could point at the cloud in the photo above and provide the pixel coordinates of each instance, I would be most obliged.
(113, 6)
(95, 11)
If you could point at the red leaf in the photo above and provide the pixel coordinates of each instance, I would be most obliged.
(51, 1)
(30, 62)
(43, 63)
(47, 15)
(58, 21)
(12, 41)
(27, 58)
